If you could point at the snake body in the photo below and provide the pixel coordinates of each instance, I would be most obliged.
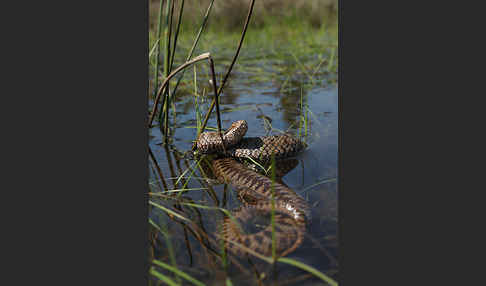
(255, 190)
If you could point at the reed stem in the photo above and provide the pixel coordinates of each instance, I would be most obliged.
(247, 21)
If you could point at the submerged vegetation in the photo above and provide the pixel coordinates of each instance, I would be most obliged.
(203, 55)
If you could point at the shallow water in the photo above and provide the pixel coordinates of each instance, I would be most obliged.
(275, 98)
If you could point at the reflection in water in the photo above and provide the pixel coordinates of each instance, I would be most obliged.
(195, 214)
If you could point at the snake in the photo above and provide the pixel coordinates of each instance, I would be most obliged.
(291, 211)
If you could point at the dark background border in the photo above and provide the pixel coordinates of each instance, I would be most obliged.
(76, 159)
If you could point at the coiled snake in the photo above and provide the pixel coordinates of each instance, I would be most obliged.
(255, 190)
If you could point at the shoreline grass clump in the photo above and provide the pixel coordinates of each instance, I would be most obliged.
(227, 14)
(285, 36)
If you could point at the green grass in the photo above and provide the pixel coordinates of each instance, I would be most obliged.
(170, 248)
(258, 165)
(227, 15)
(286, 40)
(225, 211)
(178, 273)
(163, 278)
(319, 183)
(290, 261)
(288, 49)
(274, 244)
(309, 269)
(169, 39)
(271, 260)
(304, 116)
(157, 47)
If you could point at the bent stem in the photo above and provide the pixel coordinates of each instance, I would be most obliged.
(229, 70)
(166, 81)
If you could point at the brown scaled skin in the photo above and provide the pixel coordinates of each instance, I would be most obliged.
(255, 190)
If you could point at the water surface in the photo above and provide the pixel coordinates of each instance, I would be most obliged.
(266, 92)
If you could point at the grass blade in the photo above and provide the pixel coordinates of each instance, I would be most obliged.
(226, 212)
(166, 82)
(157, 227)
(153, 48)
(157, 55)
(331, 60)
(274, 244)
(257, 164)
(196, 40)
(319, 183)
(176, 35)
(223, 82)
(292, 262)
(171, 212)
(178, 272)
(309, 269)
(162, 277)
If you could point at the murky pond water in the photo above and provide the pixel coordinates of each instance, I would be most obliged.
(269, 95)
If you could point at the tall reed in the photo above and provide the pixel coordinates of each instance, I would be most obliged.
(157, 54)
(169, 55)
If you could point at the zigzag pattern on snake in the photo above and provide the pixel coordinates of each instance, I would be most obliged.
(255, 190)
